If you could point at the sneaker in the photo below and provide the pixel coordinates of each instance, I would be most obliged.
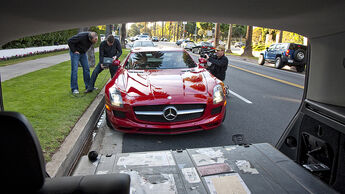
(75, 91)
(90, 90)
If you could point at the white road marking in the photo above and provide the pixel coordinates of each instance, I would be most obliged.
(240, 97)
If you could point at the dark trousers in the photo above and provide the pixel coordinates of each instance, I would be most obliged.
(98, 70)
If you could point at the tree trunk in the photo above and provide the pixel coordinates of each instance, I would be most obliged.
(108, 30)
(229, 39)
(169, 31)
(91, 52)
(216, 36)
(154, 29)
(280, 38)
(162, 29)
(248, 49)
(123, 35)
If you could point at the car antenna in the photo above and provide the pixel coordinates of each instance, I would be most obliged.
(1, 100)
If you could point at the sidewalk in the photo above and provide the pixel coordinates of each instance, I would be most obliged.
(4, 53)
(15, 70)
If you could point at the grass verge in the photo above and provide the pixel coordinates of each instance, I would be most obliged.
(44, 97)
(23, 59)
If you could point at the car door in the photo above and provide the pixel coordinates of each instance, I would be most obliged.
(270, 52)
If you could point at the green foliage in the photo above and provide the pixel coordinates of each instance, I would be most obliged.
(239, 31)
(46, 39)
(291, 37)
(46, 100)
(206, 25)
(258, 36)
(134, 30)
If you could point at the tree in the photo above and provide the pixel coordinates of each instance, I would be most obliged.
(228, 43)
(134, 30)
(248, 49)
(280, 36)
(216, 36)
(238, 31)
(123, 35)
(108, 29)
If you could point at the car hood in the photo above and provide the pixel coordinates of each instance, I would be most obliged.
(164, 83)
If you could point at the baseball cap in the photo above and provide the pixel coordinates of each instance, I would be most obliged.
(220, 48)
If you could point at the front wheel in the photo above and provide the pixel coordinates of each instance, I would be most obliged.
(300, 68)
(108, 121)
(261, 60)
(279, 63)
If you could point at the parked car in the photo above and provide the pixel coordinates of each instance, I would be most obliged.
(188, 45)
(132, 39)
(179, 42)
(239, 45)
(142, 43)
(140, 98)
(102, 37)
(164, 39)
(155, 39)
(282, 54)
(143, 37)
(202, 47)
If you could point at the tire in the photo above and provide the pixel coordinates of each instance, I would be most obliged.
(299, 55)
(300, 68)
(261, 60)
(224, 116)
(278, 63)
(108, 122)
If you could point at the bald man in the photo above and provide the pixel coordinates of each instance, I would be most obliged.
(78, 45)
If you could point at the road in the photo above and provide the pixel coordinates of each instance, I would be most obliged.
(262, 102)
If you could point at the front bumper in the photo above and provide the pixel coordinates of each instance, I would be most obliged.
(130, 124)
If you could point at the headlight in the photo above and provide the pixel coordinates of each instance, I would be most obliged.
(115, 97)
(218, 94)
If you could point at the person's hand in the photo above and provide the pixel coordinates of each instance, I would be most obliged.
(103, 67)
(76, 52)
(115, 57)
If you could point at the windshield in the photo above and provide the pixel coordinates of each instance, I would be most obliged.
(206, 44)
(143, 44)
(160, 60)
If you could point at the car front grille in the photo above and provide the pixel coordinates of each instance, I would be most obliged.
(154, 113)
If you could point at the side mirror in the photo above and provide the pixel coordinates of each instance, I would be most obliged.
(202, 60)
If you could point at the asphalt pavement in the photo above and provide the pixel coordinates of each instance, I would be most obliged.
(262, 102)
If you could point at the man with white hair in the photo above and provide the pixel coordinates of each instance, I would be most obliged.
(78, 45)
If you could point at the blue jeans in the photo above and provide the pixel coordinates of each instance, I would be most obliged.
(98, 70)
(75, 58)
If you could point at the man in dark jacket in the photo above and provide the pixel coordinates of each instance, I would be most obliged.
(78, 45)
(110, 47)
(219, 63)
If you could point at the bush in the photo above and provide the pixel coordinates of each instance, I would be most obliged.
(47, 39)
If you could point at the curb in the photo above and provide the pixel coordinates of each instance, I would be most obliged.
(65, 159)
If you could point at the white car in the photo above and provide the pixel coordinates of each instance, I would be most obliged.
(142, 43)
(144, 37)
(102, 37)
(188, 45)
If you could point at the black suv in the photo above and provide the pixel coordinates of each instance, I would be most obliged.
(282, 54)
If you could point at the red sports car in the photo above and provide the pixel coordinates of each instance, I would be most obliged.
(163, 91)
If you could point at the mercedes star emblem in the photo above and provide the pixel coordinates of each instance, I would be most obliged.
(170, 113)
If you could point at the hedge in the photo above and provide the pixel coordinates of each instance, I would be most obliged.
(47, 39)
